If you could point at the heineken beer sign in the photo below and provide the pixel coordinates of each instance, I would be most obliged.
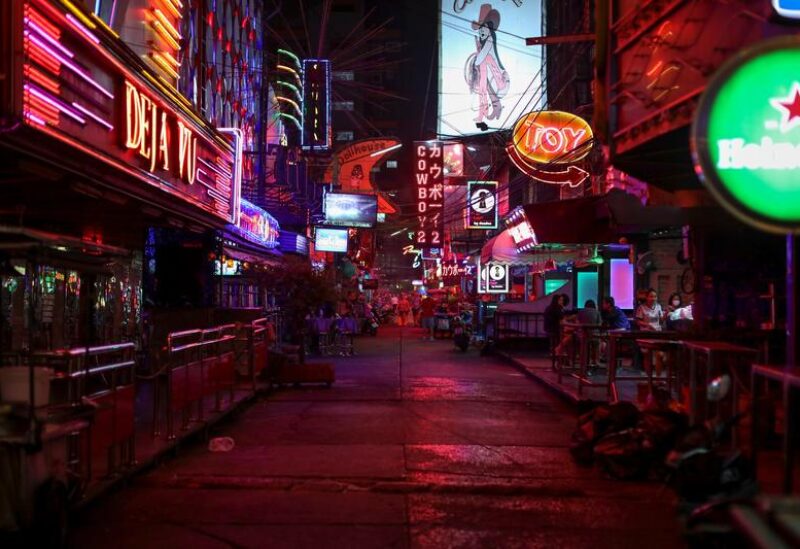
(746, 136)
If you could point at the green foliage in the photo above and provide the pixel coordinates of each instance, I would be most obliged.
(299, 288)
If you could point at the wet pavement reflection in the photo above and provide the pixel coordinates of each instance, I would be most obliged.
(437, 449)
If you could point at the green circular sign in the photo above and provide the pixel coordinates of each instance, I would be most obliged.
(746, 135)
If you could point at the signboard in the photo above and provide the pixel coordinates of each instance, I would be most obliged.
(330, 240)
(552, 137)
(351, 210)
(544, 141)
(352, 166)
(452, 271)
(454, 159)
(429, 185)
(520, 229)
(317, 132)
(482, 208)
(257, 225)
(75, 91)
(369, 284)
(487, 76)
(494, 278)
(746, 136)
(789, 9)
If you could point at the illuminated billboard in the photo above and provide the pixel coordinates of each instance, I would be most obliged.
(351, 210)
(488, 77)
(330, 240)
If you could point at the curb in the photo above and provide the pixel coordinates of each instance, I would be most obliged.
(560, 391)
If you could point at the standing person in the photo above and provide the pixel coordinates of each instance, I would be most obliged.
(427, 315)
(553, 315)
(649, 315)
(403, 310)
(415, 304)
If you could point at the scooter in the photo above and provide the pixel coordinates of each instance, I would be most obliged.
(709, 480)
(462, 330)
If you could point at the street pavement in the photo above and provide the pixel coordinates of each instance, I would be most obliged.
(415, 445)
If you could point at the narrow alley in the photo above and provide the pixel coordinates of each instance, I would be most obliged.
(415, 445)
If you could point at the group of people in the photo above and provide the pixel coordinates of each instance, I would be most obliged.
(649, 316)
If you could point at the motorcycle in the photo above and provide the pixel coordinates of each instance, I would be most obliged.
(709, 480)
(462, 330)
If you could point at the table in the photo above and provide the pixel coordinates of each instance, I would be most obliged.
(615, 338)
(714, 351)
(789, 378)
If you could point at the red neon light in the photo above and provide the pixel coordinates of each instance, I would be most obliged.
(37, 76)
(42, 58)
(40, 20)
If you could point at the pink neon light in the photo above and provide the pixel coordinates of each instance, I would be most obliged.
(69, 64)
(93, 116)
(35, 118)
(622, 282)
(83, 30)
(61, 107)
(44, 34)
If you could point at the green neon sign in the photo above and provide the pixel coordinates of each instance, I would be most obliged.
(746, 136)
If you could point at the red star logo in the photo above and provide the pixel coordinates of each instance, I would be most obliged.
(789, 107)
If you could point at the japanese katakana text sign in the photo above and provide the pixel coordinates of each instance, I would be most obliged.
(429, 192)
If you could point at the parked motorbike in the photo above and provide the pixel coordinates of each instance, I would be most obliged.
(708, 479)
(462, 330)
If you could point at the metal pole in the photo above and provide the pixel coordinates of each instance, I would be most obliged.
(792, 299)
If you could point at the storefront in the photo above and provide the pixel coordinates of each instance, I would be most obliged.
(89, 125)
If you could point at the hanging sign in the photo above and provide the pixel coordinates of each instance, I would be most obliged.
(543, 141)
(481, 204)
(494, 278)
(429, 187)
(520, 229)
(746, 136)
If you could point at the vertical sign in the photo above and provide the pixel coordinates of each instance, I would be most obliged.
(482, 205)
(429, 184)
(317, 131)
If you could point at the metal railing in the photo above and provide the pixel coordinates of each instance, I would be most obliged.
(104, 377)
(200, 364)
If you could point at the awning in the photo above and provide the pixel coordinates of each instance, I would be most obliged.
(598, 219)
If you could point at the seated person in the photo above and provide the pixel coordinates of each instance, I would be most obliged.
(589, 315)
(613, 317)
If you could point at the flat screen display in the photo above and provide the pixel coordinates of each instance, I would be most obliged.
(330, 240)
(351, 210)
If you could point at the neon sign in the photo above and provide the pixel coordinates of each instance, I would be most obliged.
(317, 130)
(84, 103)
(257, 225)
(552, 137)
(746, 136)
(520, 229)
(429, 182)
